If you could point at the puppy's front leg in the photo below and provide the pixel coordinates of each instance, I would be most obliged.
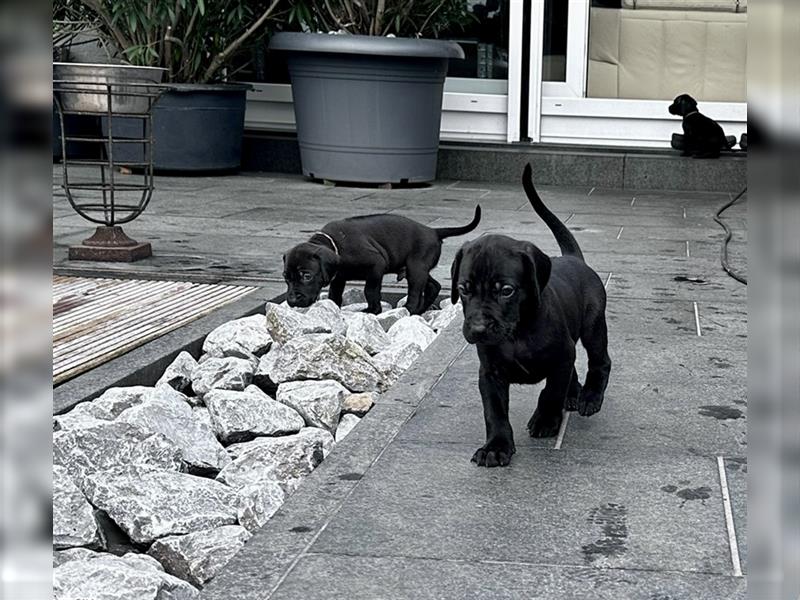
(499, 446)
(336, 290)
(546, 419)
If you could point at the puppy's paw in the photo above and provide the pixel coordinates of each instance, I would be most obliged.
(544, 425)
(589, 402)
(571, 403)
(494, 454)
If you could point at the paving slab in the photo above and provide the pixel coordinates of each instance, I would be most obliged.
(429, 501)
(323, 576)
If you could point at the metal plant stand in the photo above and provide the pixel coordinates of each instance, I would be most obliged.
(98, 188)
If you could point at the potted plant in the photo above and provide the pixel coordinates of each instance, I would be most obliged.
(198, 124)
(368, 101)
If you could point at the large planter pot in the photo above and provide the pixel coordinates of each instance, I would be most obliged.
(368, 109)
(196, 128)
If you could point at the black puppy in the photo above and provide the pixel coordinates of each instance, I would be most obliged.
(702, 137)
(525, 312)
(366, 248)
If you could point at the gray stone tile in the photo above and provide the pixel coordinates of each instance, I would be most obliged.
(576, 507)
(322, 576)
(736, 474)
(723, 318)
(703, 418)
(506, 165)
(452, 412)
(646, 358)
(656, 317)
(665, 287)
(668, 172)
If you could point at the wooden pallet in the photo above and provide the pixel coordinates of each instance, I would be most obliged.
(96, 320)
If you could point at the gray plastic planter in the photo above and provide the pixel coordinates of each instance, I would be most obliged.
(196, 128)
(368, 109)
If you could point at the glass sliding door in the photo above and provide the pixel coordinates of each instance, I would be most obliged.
(481, 100)
(625, 62)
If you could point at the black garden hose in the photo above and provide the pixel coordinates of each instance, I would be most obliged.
(728, 236)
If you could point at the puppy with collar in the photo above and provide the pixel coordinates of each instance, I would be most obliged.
(702, 137)
(367, 248)
(525, 312)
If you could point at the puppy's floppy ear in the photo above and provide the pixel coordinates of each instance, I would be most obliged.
(328, 265)
(537, 268)
(454, 269)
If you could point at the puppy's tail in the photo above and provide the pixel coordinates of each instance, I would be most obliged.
(566, 241)
(446, 232)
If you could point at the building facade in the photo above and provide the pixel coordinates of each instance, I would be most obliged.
(578, 72)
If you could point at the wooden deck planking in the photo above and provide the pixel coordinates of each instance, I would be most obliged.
(98, 319)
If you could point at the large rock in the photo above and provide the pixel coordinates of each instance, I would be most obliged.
(444, 317)
(322, 356)
(285, 460)
(346, 426)
(102, 576)
(179, 373)
(107, 407)
(174, 419)
(392, 316)
(365, 330)
(358, 404)
(73, 516)
(318, 402)
(114, 401)
(241, 338)
(258, 502)
(283, 323)
(394, 361)
(322, 436)
(64, 556)
(242, 416)
(149, 504)
(262, 378)
(412, 329)
(202, 415)
(230, 373)
(327, 313)
(198, 557)
(83, 452)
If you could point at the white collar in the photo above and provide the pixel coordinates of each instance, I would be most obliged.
(330, 239)
(694, 112)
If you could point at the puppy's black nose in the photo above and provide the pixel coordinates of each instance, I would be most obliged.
(478, 328)
(475, 331)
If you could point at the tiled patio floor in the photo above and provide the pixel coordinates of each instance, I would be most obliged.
(644, 500)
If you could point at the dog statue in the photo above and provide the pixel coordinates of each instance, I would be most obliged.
(702, 137)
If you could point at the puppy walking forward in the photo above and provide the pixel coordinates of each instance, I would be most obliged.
(525, 312)
(366, 248)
